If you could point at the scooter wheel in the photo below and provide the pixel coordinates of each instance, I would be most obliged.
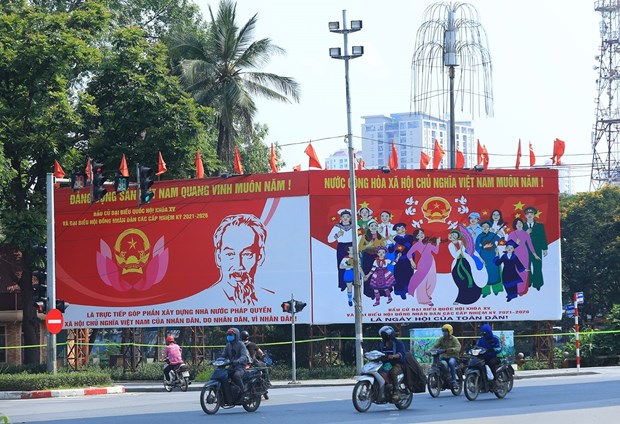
(434, 384)
(362, 396)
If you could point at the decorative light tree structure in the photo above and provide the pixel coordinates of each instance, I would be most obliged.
(451, 37)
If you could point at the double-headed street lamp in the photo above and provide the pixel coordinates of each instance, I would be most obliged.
(337, 53)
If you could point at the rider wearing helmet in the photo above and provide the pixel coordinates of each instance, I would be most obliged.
(172, 351)
(256, 355)
(236, 351)
(255, 352)
(395, 351)
(452, 347)
(493, 347)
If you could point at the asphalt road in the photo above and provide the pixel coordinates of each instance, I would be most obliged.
(563, 399)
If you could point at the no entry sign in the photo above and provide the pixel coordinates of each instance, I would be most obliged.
(54, 321)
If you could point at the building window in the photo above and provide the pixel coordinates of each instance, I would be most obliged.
(3, 343)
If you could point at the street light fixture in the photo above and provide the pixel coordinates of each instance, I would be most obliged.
(336, 53)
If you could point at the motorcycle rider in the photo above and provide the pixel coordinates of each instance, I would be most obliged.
(172, 351)
(395, 351)
(238, 354)
(452, 347)
(493, 347)
(256, 355)
(255, 352)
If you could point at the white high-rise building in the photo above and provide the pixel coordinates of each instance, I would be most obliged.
(340, 159)
(411, 134)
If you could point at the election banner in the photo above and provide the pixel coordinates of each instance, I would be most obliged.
(435, 245)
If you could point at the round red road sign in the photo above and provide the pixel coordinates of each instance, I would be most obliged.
(54, 321)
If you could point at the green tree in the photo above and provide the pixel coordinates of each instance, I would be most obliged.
(140, 109)
(218, 68)
(255, 154)
(590, 227)
(42, 55)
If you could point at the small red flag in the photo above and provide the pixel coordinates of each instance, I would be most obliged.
(123, 168)
(273, 160)
(200, 169)
(479, 154)
(518, 156)
(237, 165)
(89, 170)
(485, 157)
(558, 151)
(297, 168)
(313, 162)
(393, 159)
(424, 160)
(161, 165)
(460, 159)
(532, 155)
(437, 155)
(360, 164)
(58, 171)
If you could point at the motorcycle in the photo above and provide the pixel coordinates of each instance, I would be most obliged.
(477, 381)
(511, 373)
(372, 388)
(220, 392)
(439, 376)
(179, 377)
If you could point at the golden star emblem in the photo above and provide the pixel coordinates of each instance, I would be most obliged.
(132, 244)
(519, 206)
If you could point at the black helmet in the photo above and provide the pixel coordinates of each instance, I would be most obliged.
(245, 336)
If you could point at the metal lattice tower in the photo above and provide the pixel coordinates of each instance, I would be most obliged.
(605, 144)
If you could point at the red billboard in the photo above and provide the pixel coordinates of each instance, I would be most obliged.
(231, 250)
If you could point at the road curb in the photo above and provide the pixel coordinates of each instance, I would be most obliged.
(39, 394)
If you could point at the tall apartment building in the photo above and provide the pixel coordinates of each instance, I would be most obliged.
(412, 133)
(340, 159)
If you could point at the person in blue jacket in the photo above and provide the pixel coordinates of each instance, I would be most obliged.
(395, 351)
(493, 347)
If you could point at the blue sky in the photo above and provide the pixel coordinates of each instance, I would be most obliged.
(543, 77)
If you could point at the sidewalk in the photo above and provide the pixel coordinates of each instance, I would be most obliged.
(156, 386)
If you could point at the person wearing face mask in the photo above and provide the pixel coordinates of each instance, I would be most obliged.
(395, 351)
(236, 351)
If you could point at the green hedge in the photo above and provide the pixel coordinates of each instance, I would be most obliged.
(27, 382)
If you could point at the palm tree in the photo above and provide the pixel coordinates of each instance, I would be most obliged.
(218, 68)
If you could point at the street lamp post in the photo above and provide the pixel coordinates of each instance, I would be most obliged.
(336, 53)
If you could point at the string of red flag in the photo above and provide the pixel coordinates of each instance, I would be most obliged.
(482, 158)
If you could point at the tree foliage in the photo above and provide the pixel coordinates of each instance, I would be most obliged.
(139, 108)
(590, 224)
(218, 68)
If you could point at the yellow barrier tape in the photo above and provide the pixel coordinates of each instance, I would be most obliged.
(288, 342)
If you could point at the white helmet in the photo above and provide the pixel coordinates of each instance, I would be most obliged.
(386, 332)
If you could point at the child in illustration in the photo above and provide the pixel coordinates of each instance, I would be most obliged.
(402, 267)
(364, 216)
(381, 279)
(346, 265)
(510, 271)
(539, 241)
(486, 245)
(342, 233)
(387, 232)
(424, 278)
(474, 228)
(367, 248)
(522, 251)
(462, 266)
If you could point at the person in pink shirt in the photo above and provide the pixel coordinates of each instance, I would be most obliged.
(172, 351)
